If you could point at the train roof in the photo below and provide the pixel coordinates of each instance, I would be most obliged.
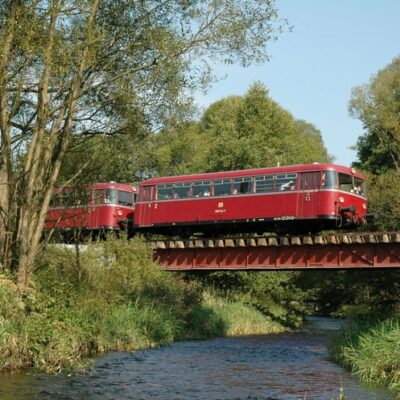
(254, 171)
(102, 185)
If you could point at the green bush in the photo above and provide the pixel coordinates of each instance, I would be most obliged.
(203, 322)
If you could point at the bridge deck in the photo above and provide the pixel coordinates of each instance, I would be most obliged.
(333, 251)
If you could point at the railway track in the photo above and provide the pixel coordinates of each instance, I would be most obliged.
(269, 240)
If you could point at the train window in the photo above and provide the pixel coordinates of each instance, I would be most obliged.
(201, 189)
(164, 192)
(56, 200)
(359, 186)
(285, 182)
(345, 182)
(69, 199)
(264, 184)
(125, 198)
(79, 197)
(329, 180)
(242, 185)
(222, 187)
(145, 193)
(181, 190)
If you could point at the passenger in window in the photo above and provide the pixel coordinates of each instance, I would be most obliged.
(288, 186)
(206, 193)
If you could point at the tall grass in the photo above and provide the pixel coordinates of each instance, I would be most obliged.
(371, 350)
(229, 318)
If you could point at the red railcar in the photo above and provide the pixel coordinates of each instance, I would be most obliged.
(91, 210)
(297, 198)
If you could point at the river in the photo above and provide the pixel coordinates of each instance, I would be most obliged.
(284, 366)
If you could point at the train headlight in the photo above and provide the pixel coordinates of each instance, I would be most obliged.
(364, 206)
(119, 212)
(341, 199)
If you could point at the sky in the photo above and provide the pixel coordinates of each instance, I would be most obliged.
(334, 46)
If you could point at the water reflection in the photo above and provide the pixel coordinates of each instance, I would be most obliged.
(285, 366)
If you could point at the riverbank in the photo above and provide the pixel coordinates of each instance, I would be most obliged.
(290, 365)
(370, 348)
(110, 297)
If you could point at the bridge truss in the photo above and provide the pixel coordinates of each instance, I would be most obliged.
(329, 251)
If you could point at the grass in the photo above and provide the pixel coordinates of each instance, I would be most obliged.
(371, 350)
(240, 318)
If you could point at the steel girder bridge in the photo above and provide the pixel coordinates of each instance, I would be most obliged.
(328, 251)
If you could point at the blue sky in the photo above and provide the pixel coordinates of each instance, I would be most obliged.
(334, 46)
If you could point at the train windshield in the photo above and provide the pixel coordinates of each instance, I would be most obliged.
(125, 198)
(345, 182)
(104, 196)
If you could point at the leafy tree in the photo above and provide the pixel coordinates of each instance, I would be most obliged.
(179, 150)
(239, 132)
(377, 105)
(384, 200)
(254, 131)
(77, 68)
(311, 144)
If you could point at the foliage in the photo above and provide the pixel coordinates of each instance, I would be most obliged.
(331, 290)
(115, 298)
(377, 105)
(275, 295)
(71, 69)
(254, 131)
(384, 200)
(371, 350)
(178, 151)
(218, 316)
(239, 132)
(109, 296)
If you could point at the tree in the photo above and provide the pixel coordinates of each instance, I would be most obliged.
(238, 132)
(254, 131)
(377, 105)
(77, 67)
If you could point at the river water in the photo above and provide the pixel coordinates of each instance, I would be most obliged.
(284, 366)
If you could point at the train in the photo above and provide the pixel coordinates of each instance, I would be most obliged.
(304, 198)
(90, 210)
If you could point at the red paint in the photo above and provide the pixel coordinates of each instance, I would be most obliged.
(95, 213)
(365, 256)
(309, 199)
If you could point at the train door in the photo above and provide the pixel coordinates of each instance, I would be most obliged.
(147, 196)
(309, 194)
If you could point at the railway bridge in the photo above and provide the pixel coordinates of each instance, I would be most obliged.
(329, 251)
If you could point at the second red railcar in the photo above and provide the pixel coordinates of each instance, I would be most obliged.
(91, 210)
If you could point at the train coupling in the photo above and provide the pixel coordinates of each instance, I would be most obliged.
(350, 209)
